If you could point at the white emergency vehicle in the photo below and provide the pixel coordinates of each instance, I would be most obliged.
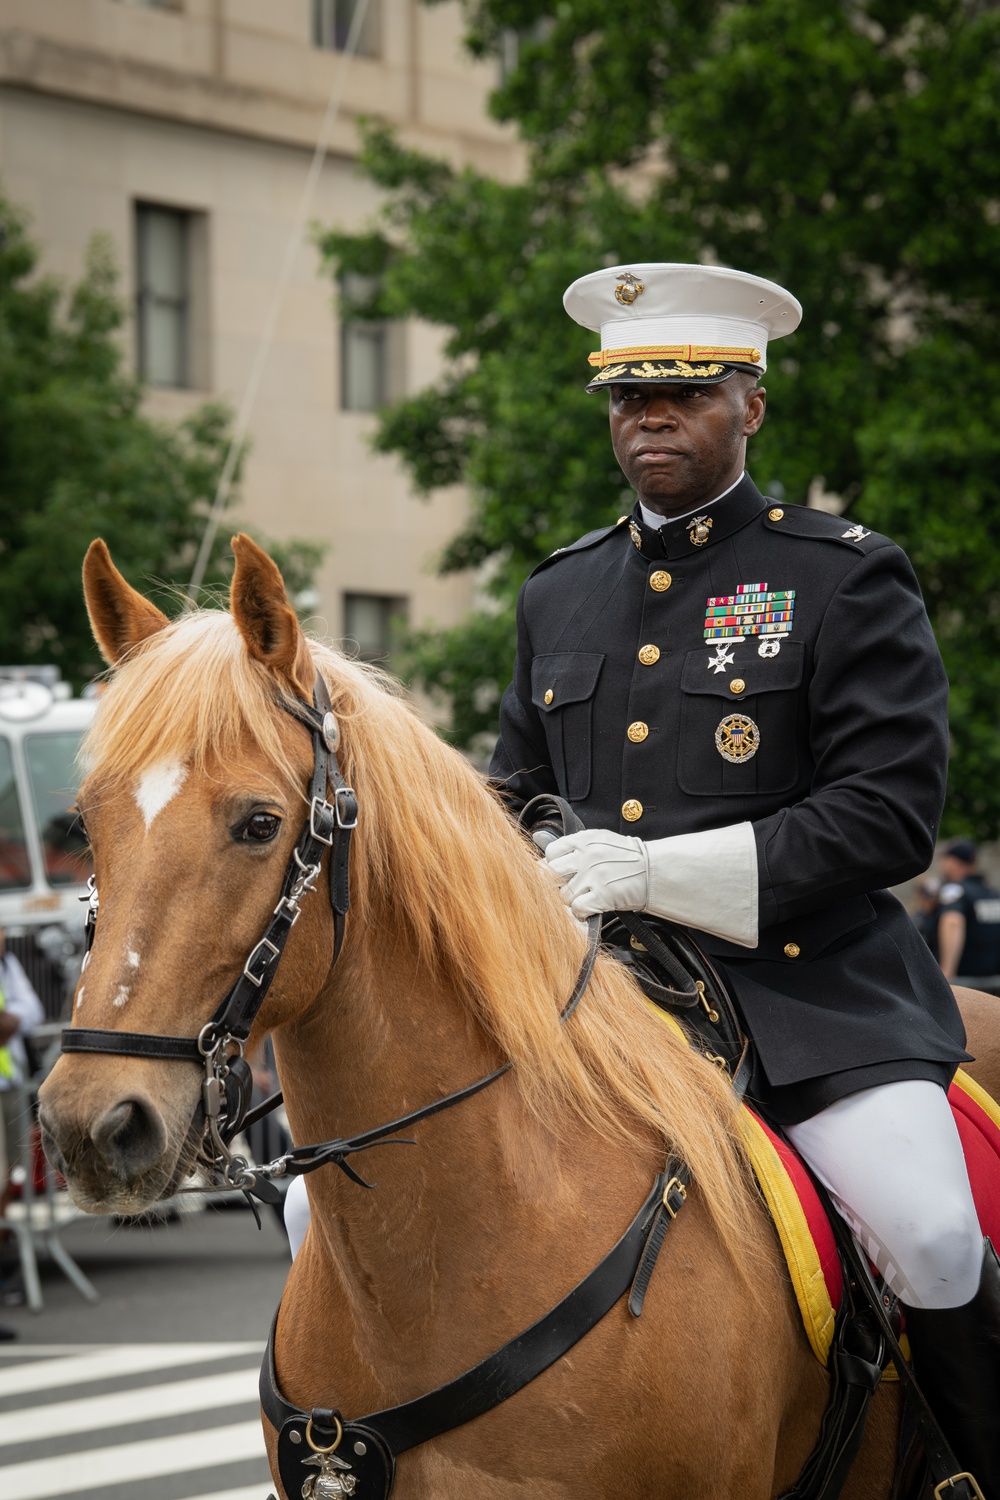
(44, 865)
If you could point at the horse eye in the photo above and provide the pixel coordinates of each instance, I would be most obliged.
(260, 829)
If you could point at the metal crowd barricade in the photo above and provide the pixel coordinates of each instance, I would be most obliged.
(37, 1220)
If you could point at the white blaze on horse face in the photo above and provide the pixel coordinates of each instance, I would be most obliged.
(121, 996)
(133, 959)
(157, 786)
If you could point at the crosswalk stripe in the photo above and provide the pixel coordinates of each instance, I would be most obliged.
(49, 1478)
(255, 1492)
(111, 1361)
(91, 1413)
(44, 1351)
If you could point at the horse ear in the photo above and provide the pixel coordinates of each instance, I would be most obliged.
(120, 617)
(267, 622)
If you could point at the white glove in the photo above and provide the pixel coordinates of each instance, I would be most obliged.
(704, 880)
(601, 871)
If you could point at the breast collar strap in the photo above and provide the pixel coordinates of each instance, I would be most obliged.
(370, 1444)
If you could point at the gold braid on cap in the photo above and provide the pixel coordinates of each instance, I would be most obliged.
(647, 371)
(686, 352)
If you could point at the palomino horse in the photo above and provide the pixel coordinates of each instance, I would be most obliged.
(458, 955)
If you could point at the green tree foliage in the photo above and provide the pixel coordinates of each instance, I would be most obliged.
(850, 151)
(78, 460)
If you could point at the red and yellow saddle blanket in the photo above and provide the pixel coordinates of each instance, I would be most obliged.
(802, 1224)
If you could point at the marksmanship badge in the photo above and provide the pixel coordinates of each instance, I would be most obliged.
(737, 738)
(752, 610)
(721, 660)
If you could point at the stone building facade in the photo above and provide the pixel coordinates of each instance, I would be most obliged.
(184, 130)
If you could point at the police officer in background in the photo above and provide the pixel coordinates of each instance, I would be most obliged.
(968, 917)
(744, 703)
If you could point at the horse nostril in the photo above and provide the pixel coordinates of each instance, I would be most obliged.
(53, 1155)
(130, 1137)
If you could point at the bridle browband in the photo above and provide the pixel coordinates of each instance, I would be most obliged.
(219, 1046)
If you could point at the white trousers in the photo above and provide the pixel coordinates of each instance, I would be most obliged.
(891, 1159)
(296, 1213)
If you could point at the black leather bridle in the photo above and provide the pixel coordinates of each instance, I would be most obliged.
(219, 1046)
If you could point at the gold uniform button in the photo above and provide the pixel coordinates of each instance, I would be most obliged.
(549, 695)
(631, 810)
(792, 950)
(776, 514)
(637, 732)
(660, 581)
(737, 685)
(648, 655)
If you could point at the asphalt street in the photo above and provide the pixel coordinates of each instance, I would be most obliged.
(151, 1393)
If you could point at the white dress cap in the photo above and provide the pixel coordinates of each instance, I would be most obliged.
(670, 321)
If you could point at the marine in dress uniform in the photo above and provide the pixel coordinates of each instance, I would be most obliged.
(744, 703)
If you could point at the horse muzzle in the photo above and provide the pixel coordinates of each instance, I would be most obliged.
(119, 1154)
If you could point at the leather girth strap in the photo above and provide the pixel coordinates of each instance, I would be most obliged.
(370, 1444)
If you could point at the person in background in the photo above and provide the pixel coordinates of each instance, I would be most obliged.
(969, 922)
(20, 1012)
(926, 910)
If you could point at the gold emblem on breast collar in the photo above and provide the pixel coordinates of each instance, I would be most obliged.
(737, 738)
(635, 534)
(698, 530)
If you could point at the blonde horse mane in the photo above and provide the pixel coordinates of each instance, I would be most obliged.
(436, 852)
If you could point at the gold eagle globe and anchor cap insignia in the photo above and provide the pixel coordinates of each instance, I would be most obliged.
(699, 529)
(628, 289)
(737, 738)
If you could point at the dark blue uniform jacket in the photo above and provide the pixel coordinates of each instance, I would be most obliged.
(844, 790)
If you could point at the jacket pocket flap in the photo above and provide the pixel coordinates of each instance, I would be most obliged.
(761, 674)
(564, 677)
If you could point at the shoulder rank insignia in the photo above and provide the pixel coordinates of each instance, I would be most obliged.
(752, 610)
(856, 534)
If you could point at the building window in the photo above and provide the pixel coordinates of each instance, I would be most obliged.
(364, 351)
(163, 295)
(333, 20)
(372, 624)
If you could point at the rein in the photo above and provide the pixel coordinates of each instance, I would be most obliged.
(220, 1044)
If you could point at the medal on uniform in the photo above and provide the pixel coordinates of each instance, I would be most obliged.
(752, 610)
(698, 530)
(737, 738)
(722, 658)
